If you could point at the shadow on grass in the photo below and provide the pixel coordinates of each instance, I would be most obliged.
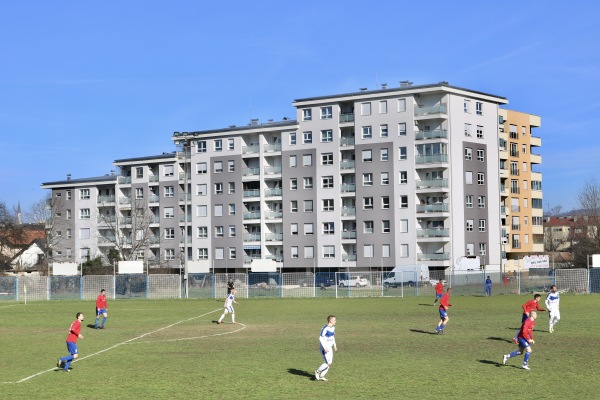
(489, 362)
(91, 326)
(427, 304)
(300, 372)
(420, 331)
(500, 339)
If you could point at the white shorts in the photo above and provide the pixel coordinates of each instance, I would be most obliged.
(229, 310)
(327, 356)
(553, 313)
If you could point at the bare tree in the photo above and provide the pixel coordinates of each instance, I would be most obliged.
(11, 232)
(587, 228)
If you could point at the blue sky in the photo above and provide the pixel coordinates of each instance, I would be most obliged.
(85, 83)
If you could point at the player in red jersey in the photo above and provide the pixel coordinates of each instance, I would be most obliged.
(525, 338)
(74, 334)
(439, 291)
(101, 308)
(528, 307)
(444, 304)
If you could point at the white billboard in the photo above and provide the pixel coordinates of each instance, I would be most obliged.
(536, 262)
(198, 267)
(130, 267)
(66, 269)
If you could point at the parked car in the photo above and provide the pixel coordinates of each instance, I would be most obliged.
(355, 280)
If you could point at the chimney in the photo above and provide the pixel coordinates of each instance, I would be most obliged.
(68, 177)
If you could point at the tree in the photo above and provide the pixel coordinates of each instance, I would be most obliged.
(11, 232)
(587, 228)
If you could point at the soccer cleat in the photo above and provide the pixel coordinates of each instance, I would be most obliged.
(324, 379)
(102, 327)
(66, 370)
(504, 359)
(219, 322)
(59, 363)
(525, 366)
(234, 322)
(317, 375)
(551, 330)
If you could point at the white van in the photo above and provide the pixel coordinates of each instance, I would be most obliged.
(410, 275)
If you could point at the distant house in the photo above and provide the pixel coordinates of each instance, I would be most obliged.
(22, 251)
(29, 259)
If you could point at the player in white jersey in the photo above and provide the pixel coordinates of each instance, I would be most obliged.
(552, 303)
(229, 307)
(328, 346)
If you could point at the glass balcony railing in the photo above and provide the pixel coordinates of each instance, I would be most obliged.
(423, 233)
(432, 208)
(183, 176)
(185, 196)
(254, 149)
(124, 200)
(106, 199)
(272, 148)
(347, 141)
(252, 215)
(251, 171)
(436, 158)
(431, 110)
(433, 257)
(252, 193)
(124, 180)
(182, 218)
(273, 192)
(274, 237)
(153, 199)
(432, 183)
(349, 235)
(348, 187)
(435, 134)
(347, 117)
(153, 178)
(347, 164)
(348, 211)
(276, 169)
(251, 237)
(348, 257)
(273, 214)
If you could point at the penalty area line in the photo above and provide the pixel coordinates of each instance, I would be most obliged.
(118, 344)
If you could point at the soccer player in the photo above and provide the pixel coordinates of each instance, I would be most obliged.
(101, 308)
(525, 337)
(528, 307)
(552, 302)
(74, 334)
(444, 304)
(229, 307)
(488, 287)
(439, 291)
(328, 346)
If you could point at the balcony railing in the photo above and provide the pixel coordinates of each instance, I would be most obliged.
(433, 257)
(422, 233)
(153, 199)
(349, 235)
(154, 219)
(251, 237)
(185, 196)
(432, 208)
(182, 218)
(347, 141)
(272, 148)
(252, 193)
(432, 183)
(153, 178)
(503, 210)
(516, 244)
(437, 158)
(274, 258)
(124, 180)
(435, 134)
(250, 171)
(514, 171)
(250, 149)
(183, 176)
(348, 211)
(273, 192)
(348, 187)
(273, 214)
(252, 215)
(515, 190)
(272, 170)
(515, 227)
(348, 257)
(347, 164)
(423, 111)
(124, 200)
(106, 219)
(274, 237)
(248, 259)
(348, 117)
(106, 199)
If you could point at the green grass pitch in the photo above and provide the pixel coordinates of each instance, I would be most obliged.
(155, 349)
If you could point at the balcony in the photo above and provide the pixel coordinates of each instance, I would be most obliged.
(273, 170)
(106, 199)
(348, 257)
(515, 190)
(535, 141)
(347, 141)
(503, 210)
(348, 117)
(272, 148)
(185, 196)
(514, 153)
(425, 233)
(536, 159)
(514, 172)
(251, 215)
(185, 239)
(153, 199)
(183, 176)
(124, 180)
(348, 187)
(435, 134)
(516, 244)
(252, 193)
(432, 208)
(153, 178)
(515, 208)
(274, 192)
(252, 237)
(437, 158)
(254, 149)
(251, 171)
(182, 218)
(516, 227)
(248, 259)
(433, 257)
(274, 214)
(124, 201)
(274, 237)
(106, 241)
(432, 183)
(154, 219)
(348, 211)
(274, 258)
(430, 111)
(349, 235)
(347, 165)
(107, 219)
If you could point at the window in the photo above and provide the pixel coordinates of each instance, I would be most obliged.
(293, 184)
(218, 145)
(231, 187)
(307, 137)
(230, 144)
(69, 233)
(308, 228)
(469, 177)
(403, 201)
(139, 172)
(232, 253)
(169, 212)
(309, 252)
(68, 216)
(169, 233)
(84, 233)
(536, 203)
(139, 193)
(367, 179)
(219, 253)
(469, 225)
(292, 138)
(201, 146)
(232, 209)
(306, 114)
(169, 254)
(524, 185)
(383, 107)
(467, 106)
(294, 206)
(84, 213)
(326, 112)
(536, 185)
(308, 206)
(384, 154)
(480, 155)
(169, 191)
(468, 130)
(468, 153)
(367, 132)
(385, 250)
(218, 210)
(328, 228)
(385, 178)
(365, 109)
(219, 188)
(404, 226)
(403, 250)
(68, 194)
(470, 249)
(383, 130)
(218, 231)
(327, 182)
(367, 155)
(524, 148)
(294, 251)
(523, 130)
(367, 203)
(327, 158)
(401, 105)
(403, 178)
(202, 232)
(202, 254)
(368, 226)
(84, 194)
(327, 205)
(402, 129)
(307, 160)
(308, 182)
(469, 201)
(524, 167)
(385, 226)
(201, 168)
(327, 136)
(481, 201)
(294, 228)
(482, 249)
(482, 225)
(169, 170)
(479, 132)
(525, 202)
(293, 161)
(385, 203)
(218, 167)
(368, 251)
(402, 153)
(201, 211)
(201, 189)
(328, 251)
(478, 108)
(480, 178)
(230, 166)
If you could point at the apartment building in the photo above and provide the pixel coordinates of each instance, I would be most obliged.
(369, 179)
(520, 186)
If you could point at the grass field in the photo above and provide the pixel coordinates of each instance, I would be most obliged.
(156, 349)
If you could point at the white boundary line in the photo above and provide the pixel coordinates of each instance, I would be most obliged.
(12, 305)
(193, 338)
(122, 343)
